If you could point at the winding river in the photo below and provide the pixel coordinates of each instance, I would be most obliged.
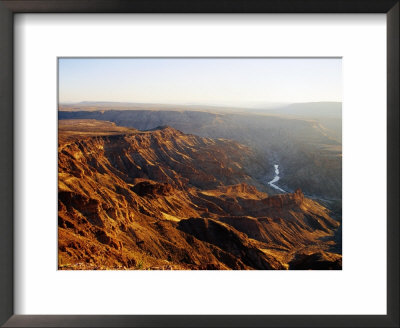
(276, 179)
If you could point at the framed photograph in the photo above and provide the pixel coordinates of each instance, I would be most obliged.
(199, 164)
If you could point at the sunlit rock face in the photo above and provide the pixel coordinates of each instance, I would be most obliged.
(163, 199)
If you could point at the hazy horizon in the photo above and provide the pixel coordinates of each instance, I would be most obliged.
(192, 106)
(238, 82)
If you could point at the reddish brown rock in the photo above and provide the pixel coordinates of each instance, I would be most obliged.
(166, 200)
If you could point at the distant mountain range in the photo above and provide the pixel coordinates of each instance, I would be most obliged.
(99, 105)
(309, 110)
(326, 109)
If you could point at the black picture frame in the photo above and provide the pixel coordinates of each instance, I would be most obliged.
(10, 7)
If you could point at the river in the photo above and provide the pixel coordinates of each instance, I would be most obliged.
(276, 179)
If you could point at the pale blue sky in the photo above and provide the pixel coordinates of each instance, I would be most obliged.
(233, 82)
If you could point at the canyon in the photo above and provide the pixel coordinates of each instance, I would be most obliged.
(136, 192)
(309, 152)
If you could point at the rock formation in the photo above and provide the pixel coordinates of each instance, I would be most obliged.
(162, 199)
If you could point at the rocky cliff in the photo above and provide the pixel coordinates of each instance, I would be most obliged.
(162, 199)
